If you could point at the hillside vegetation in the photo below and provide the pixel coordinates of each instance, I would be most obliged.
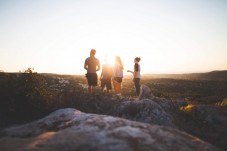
(195, 105)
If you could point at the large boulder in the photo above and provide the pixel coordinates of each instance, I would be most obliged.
(70, 129)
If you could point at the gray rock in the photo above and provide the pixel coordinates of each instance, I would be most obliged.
(145, 92)
(146, 111)
(72, 130)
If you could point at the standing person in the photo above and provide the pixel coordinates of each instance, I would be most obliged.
(92, 65)
(117, 75)
(106, 76)
(136, 74)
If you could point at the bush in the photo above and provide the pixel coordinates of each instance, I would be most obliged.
(23, 96)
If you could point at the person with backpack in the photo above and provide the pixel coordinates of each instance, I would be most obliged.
(136, 75)
(106, 76)
(92, 65)
(117, 75)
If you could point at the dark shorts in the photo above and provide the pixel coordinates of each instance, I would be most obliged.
(92, 79)
(118, 79)
(107, 83)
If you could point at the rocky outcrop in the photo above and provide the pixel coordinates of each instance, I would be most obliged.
(70, 129)
(146, 93)
(146, 111)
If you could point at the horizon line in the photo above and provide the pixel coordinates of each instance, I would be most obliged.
(144, 74)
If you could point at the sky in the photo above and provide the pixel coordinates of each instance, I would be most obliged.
(170, 36)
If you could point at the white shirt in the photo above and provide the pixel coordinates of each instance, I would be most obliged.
(117, 70)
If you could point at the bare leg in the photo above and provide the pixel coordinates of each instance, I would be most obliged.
(119, 88)
(89, 89)
(102, 89)
(115, 86)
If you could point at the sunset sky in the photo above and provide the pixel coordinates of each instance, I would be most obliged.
(170, 36)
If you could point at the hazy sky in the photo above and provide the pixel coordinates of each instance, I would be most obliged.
(170, 36)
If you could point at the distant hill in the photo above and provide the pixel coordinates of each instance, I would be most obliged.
(213, 75)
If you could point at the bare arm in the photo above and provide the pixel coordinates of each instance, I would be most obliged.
(98, 66)
(130, 71)
(136, 70)
(85, 65)
(101, 76)
(135, 73)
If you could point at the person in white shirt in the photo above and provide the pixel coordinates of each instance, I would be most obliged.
(136, 74)
(117, 75)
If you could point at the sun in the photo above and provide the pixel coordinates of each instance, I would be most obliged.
(110, 60)
(107, 58)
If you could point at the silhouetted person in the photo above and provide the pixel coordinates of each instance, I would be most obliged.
(106, 76)
(136, 75)
(92, 65)
(117, 75)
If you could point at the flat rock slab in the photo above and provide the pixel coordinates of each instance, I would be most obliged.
(72, 130)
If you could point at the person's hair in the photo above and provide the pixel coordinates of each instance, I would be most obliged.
(118, 60)
(93, 51)
(138, 59)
